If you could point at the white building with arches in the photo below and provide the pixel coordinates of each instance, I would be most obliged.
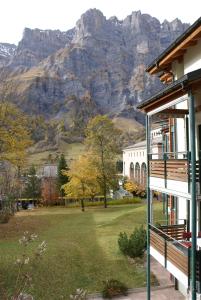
(135, 158)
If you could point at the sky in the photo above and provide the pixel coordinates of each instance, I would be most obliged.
(63, 14)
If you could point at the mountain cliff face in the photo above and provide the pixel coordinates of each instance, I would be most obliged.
(6, 52)
(96, 67)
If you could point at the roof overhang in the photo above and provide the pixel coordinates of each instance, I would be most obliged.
(177, 49)
(173, 91)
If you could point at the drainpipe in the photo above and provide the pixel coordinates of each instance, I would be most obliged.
(148, 211)
(193, 193)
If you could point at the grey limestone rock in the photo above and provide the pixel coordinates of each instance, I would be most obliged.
(100, 65)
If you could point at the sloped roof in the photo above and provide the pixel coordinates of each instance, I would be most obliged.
(178, 85)
(142, 144)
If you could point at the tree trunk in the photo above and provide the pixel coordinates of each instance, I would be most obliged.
(105, 197)
(82, 204)
(104, 180)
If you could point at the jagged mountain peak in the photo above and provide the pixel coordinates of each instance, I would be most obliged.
(37, 44)
(6, 52)
(91, 23)
(53, 71)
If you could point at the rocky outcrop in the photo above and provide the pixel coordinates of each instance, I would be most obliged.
(38, 44)
(97, 67)
(6, 52)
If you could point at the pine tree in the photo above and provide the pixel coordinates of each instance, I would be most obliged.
(33, 185)
(62, 179)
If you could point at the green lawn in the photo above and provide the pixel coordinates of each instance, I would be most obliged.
(82, 248)
(71, 151)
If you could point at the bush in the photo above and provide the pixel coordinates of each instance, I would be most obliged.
(135, 188)
(123, 242)
(113, 287)
(135, 245)
(135, 200)
(4, 216)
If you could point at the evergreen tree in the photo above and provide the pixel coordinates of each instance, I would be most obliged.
(33, 185)
(62, 179)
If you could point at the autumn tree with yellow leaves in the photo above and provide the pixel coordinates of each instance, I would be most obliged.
(135, 188)
(82, 179)
(102, 140)
(14, 135)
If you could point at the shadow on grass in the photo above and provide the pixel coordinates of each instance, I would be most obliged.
(74, 258)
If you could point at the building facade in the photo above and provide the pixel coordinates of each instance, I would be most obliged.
(175, 172)
(135, 158)
(49, 186)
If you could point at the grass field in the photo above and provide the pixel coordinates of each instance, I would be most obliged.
(71, 151)
(82, 248)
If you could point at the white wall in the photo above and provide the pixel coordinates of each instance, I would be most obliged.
(170, 267)
(133, 155)
(191, 61)
(182, 209)
(192, 58)
(181, 129)
(178, 69)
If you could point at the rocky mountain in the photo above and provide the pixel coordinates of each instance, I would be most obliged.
(6, 53)
(96, 67)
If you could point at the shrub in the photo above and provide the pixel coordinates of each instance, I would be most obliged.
(113, 287)
(135, 200)
(4, 216)
(141, 191)
(135, 245)
(135, 188)
(123, 242)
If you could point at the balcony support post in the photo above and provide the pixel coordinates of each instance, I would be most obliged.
(193, 193)
(166, 211)
(148, 210)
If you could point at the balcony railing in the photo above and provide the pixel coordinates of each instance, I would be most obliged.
(175, 169)
(174, 166)
(167, 240)
(170, 248)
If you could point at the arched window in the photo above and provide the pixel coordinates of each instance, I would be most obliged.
(137, 172)
(131, 171)
(143, 174)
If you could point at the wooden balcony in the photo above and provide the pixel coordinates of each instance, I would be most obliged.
(169, 170)
(174, 253)
(175, 169)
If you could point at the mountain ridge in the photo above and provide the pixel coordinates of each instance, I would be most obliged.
(96, 67)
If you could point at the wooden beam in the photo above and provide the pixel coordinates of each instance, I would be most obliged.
(198, 108)
(191, 43)
(173, 113)
(165, 99)
(177, 55)
(166, 77)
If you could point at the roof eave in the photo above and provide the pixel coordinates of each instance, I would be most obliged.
(179, 85)
(155, 64)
